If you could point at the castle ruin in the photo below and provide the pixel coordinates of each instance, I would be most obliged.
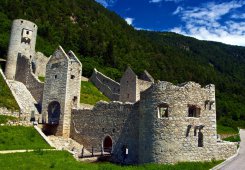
(155, 121)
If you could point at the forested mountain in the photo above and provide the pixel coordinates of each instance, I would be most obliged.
(102, 39)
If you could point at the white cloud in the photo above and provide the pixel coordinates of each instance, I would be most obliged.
(207, 22)
(178, 10)
(129, 20)
(157, 1)
(238, 16)
(106, 3)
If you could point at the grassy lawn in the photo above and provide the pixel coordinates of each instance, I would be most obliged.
(63, 160)
(20, 137)
(6, 98)
(90, 94)
(235, 138)
(4, 119)
(226, 130)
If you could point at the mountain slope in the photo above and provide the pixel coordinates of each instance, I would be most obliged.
(103, 40)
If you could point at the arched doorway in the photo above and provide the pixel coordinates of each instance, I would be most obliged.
(54, 113)
(107, 144)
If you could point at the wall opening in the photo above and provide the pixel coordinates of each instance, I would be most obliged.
(162, 110)
(188, 130)
(194, 111)
(107, 144)
(72, 76)
(54, 113)
(200, 139)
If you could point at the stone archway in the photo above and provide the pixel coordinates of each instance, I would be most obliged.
(107, 144)
(54, 113)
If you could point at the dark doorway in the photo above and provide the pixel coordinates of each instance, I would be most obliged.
(200, 139)
(54, 113)
(107, 144)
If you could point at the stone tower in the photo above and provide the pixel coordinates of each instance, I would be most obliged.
(129, 91)
(177, 123)
(22, 43)
(61, 92)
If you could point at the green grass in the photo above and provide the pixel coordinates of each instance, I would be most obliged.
(235, 138)
(63, 160)
(4, 119)
(20, 137)
(90, 94)
(42, 79)
(6, 98)
(226, 130)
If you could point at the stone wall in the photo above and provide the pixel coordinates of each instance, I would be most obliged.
(176, 137)
(22, 42)
(143, 85)
(40, 61)
(25, 75)
(106, 85)
(114, 119)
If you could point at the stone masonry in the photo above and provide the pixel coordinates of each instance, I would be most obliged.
(152, 122)
(61, 91)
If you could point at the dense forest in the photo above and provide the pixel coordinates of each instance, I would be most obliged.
(102, 39)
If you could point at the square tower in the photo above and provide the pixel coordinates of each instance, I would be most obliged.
(61, 92)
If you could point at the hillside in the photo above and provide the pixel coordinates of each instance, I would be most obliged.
(102, 39)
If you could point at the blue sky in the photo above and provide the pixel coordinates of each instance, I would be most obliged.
(219, 20)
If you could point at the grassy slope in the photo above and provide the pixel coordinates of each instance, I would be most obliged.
(63, 160)
(19, 137)
(90, 94)
(4, 119)
(6, 98)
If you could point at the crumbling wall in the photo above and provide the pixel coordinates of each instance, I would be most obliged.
(25, 75)
(39, 63)
(177, 136)
(114, 119)
(106, 85)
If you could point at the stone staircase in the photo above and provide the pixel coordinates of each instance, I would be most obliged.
(24, 98)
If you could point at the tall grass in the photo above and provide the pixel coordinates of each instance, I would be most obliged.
(20, 137)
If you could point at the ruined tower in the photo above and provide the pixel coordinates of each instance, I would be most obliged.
(22, 43)
(61, 92)
(177, 123)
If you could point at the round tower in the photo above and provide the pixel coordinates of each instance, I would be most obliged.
(22, 43)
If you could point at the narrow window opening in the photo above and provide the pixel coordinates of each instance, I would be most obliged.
(21, 22)
(193, 111)
(163, 110)
(74, 99)
(128, 96)
(188, 130)
(55, 76)
(200, 139)
(27, 32)
(113, 130)
(72, 76)
(211, 105)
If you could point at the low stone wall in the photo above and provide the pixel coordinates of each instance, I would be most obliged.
(116, 120)
(106, 85)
